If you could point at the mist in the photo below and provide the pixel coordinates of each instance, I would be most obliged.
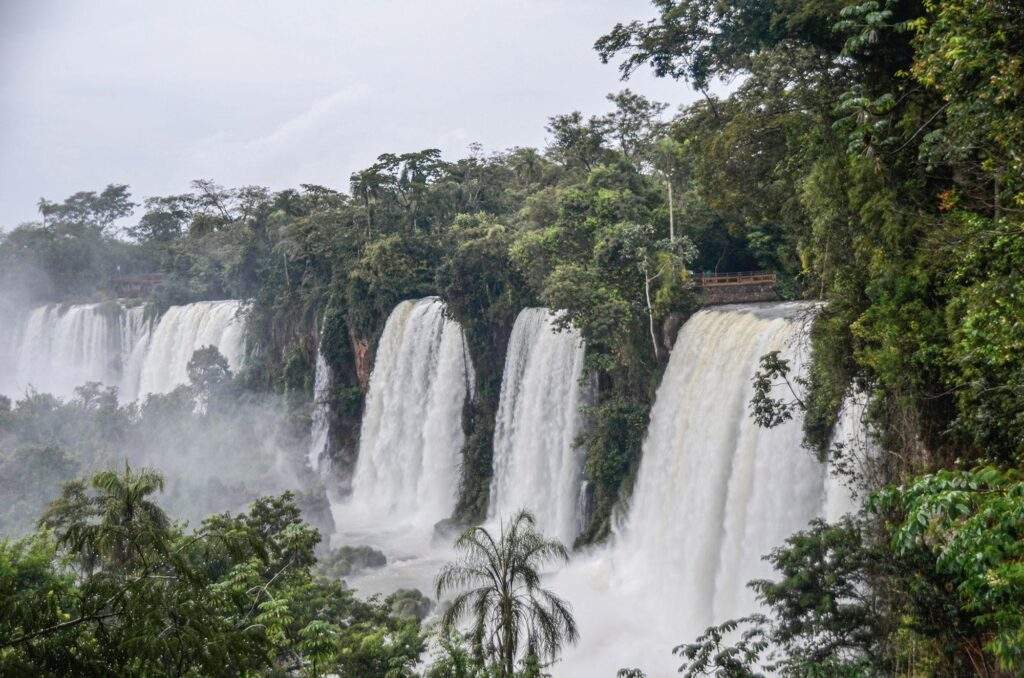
(217, 445)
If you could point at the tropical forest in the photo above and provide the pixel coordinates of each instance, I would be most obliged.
(733, 388)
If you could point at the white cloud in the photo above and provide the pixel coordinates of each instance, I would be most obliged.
(157, 94)
(263, 153)
(322, 112)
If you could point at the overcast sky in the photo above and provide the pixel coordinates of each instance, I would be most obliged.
(155, 94)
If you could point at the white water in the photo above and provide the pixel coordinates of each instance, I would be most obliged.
(536, 464)
(61, 346)
(136, 330)
(713, 494)
(859, 450)
(163, 363)
(318, 429)
(407, 473)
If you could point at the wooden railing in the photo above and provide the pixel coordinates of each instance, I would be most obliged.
(135, 285)
(739, 278)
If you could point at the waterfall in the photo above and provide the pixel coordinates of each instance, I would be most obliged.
(162, 363)
(537, 466)
(141, 330)
(411, 435)
(62, 346)
(859, 450)
(318, 430)
(714, 492)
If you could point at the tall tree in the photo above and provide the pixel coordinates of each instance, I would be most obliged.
(512, 616)
(87, 209)
(636, 126)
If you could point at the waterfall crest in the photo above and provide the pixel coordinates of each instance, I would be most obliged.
(411, 435)
(537, 466)
(162, 364)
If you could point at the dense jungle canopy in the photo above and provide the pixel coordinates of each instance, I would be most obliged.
(871, 154)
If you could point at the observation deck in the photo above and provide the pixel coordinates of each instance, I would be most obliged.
(740, 287)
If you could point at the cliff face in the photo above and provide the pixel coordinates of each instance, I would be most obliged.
(363, 360)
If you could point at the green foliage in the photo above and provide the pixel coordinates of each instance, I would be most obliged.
(985, 357)
(409, 603)
(96, 212)
(612, 442)
(829, 377)
(972, 524)
(826, 614)
(765, 409)
(112, 587)
(969, 53)
(346, 560)
(74, 252)
(697, 41)
(709, 656)
(452, 659)
(388, 271)
(514, 620)
(27, 475)
(208, 373)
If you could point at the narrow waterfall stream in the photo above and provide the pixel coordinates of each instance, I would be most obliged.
(537, 466)
(407, 473)
(320, 417)
(714, 492)
(859, 450)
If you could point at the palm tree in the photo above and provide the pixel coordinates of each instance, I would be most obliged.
(129, 521)
(114, 525)
(500, 590)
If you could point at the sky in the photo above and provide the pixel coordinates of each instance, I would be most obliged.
(156, 94)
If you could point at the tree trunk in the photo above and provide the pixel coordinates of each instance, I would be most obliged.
(671, 214)
(650, 315)
(995, 198)
(509, 659)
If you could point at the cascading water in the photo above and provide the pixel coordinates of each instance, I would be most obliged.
(318, 430)
(714, 492)
(859, 449)
(162, 364)
(411, 434)
(62, 346)
(407, 474)
(537, 466)
(136, 329)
